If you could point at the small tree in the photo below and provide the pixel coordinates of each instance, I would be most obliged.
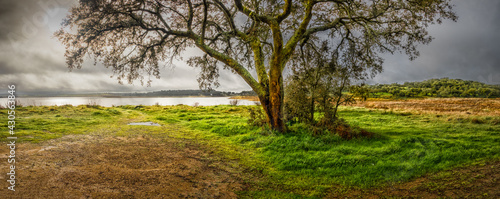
(322, 81)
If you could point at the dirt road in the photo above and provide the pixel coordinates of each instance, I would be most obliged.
(93, 166)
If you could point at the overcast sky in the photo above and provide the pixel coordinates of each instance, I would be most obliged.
(33, 60)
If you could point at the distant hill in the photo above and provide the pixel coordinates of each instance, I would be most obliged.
(443, 87)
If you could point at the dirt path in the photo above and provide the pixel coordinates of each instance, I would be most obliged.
(85, 166)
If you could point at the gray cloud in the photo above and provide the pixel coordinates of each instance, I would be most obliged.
(31, 58)
(467, 49)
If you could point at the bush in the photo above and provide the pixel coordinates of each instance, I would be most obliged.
(256, 116)
(347, 132)
(341, 128)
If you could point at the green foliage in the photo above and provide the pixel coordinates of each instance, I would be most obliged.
(320, 82)
(443, 87)
(256, 116)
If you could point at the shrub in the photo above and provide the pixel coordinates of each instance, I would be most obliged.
(341, 128)
(256, 116)
(348, 132)
(476, 121)
(234, 102)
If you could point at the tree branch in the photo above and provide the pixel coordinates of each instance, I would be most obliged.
(299, 33)
(250, 13)
(286, 11)
(232, 63)
(204, 23)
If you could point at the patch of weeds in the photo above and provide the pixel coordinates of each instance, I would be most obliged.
(229, 130)
(167, 119)
(477, 121)
(246, 138)
(100, 113)
(405, 113)
(114, 112)
(495, 121)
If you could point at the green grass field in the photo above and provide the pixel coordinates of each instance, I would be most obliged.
(296, 164)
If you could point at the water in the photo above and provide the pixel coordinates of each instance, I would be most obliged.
(108, 102)
(144, 124)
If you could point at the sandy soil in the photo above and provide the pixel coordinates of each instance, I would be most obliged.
(86, 166)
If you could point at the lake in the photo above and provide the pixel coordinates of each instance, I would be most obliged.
(108, 102)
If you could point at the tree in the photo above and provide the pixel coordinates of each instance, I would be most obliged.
(135, 37)
(320, 82)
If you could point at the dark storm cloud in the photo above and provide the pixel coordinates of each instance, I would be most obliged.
(9, 17)
(467, 49)
(31, 58)
(34, 60)
(28, 53)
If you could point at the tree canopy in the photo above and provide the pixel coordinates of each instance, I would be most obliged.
(256, 39)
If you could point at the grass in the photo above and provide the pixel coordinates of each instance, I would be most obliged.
(406, 146)
(296, 164)
(39, 123)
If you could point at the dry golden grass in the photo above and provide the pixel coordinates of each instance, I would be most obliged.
(249, 98)
(447, 106)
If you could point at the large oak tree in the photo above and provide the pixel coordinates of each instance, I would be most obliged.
(256, 39)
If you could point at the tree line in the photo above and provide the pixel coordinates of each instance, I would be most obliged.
(444, 87)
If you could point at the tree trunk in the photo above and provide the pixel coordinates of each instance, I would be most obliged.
(272, 103)
(274, 116)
